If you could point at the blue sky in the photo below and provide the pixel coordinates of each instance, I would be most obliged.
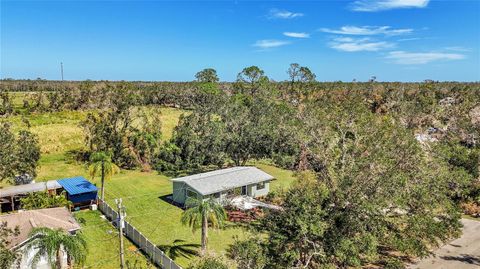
(394, 40)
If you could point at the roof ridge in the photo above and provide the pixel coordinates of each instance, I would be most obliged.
(222, 171)
(53, 218)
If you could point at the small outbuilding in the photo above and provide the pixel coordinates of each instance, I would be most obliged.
(222, 185)
(10, 196)
(80, 191)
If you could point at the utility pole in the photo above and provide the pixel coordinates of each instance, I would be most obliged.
(121, 217)
(61, 69)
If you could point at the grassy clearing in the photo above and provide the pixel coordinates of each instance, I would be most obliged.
(103, 243)
(142, 192)
(143, 195)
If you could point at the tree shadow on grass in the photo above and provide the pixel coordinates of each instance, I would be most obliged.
(466, 258)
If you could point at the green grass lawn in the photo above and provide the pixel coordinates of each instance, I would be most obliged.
(103, 243)
(159, 220)
(59, 132)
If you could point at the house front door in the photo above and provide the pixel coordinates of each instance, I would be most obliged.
(244, 190)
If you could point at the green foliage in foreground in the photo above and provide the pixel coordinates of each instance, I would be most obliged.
(53, 243)
(38, 200)
(209, 262)
(373, 190)
(8, 257)
(248, 253)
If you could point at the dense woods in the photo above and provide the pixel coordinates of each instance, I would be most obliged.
(383, 168)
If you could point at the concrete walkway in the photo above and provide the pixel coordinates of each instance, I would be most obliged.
(461, 253)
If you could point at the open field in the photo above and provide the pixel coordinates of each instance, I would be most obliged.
(142, 192)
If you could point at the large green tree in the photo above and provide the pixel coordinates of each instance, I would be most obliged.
(383, 193)
(252, 80)
(19, 154)
(132, 134)
(203, 214)
(207, 75)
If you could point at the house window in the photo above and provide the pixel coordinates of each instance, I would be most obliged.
(261, 186)
(191, 194)
(216, 195)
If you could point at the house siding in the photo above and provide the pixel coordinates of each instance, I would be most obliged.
(179, 192)
(254, 192)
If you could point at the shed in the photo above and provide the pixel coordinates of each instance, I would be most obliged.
(222, 184)
(10, 195)
(79, 190)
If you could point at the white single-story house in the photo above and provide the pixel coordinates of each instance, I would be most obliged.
(26, 221)
(222, 184)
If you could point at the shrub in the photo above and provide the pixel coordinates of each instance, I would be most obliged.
(471, 208)
(209, 262)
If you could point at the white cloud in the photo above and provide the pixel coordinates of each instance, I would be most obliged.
(379, 5)
(410, 39)
(296, 35)
(402, 57)
(458, 48)
(359, 44)
(283, 14)
(269, 43)
(367, 30)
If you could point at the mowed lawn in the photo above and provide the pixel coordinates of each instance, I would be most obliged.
(143, 193)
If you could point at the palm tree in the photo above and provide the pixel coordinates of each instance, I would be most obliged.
(179, 248)
(201, 213)
(101, 163)
(53, 243)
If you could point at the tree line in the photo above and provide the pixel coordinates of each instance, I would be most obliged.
(383, 168)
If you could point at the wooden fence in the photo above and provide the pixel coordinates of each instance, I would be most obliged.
(155, 254)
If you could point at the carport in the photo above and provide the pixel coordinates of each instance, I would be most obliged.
(80, 191)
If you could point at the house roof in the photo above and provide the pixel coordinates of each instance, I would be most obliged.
(77, 185)
(224, 179)
(54, 218)
(28, 188)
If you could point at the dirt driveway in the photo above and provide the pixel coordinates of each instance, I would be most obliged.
(461, 253)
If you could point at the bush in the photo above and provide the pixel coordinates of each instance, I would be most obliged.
(209, 262)
(471, 208)
(248, 254)
(38, 200)
(393, 263)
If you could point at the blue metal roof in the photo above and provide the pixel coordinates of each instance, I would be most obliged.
(77, 185)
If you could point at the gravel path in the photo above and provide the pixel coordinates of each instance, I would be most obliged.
(461, 253)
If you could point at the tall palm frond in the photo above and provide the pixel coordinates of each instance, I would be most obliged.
(201, 214)
(51, 243)
(101, 165)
